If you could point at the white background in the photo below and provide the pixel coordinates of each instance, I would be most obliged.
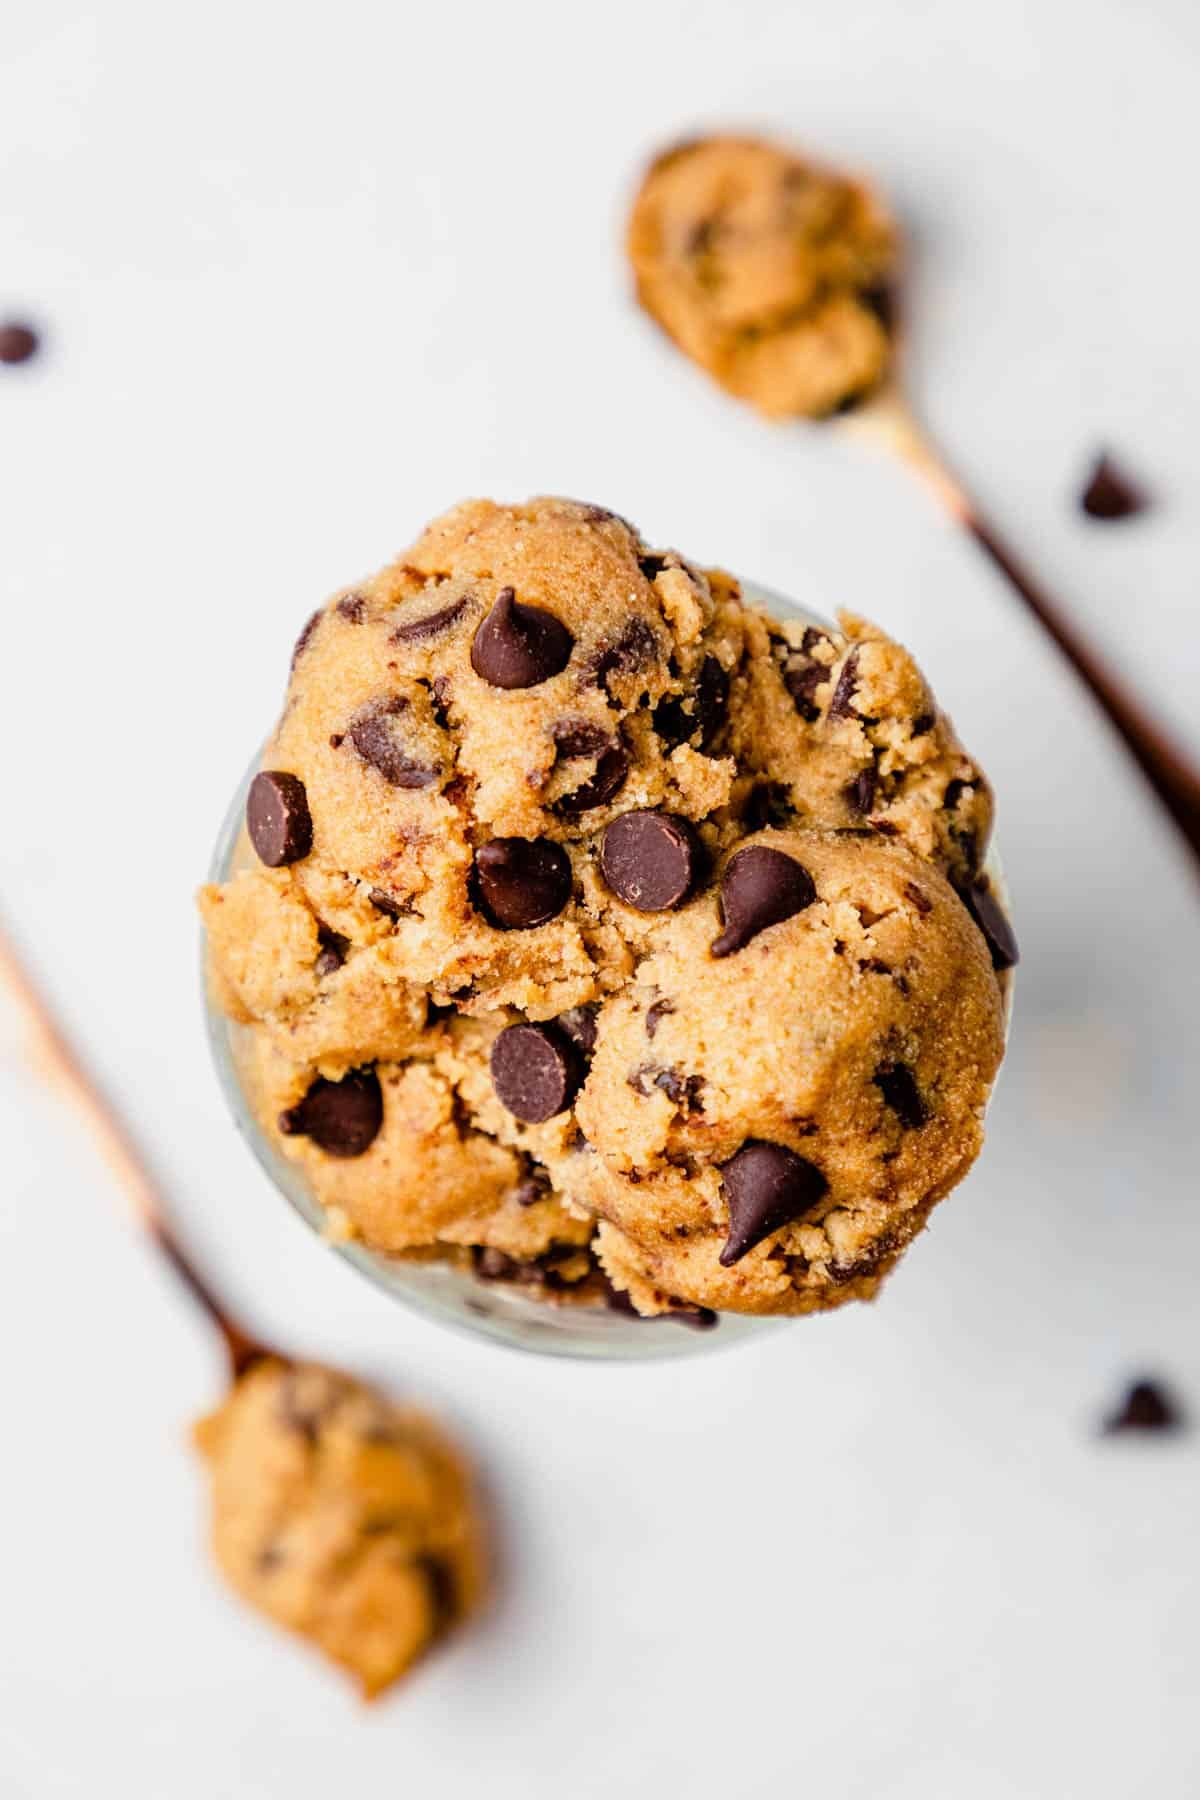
(309, 275)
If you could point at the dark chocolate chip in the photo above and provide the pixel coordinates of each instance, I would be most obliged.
(649, 860)
(675, 720)
(18, 341)
(802, 684)
(684, 1090)
(388, 904)
(898, 1085)
(922, 723)
(847, 685)
(352, 608)
(574, 738)
(1112, 494)
(608, 780)
(766, 1186)
(635, 646)
(333, 952)
(278, 819)
(336, 739)
(534, 1186)
(523, 882)
(341, 1117)
(992, 921)
(534, 1071)
(518, 646)
(431, 625)
(579, 1024)
(652, 565)
(921, 901)
(374, 734)
(860, 795)
(768, 803)
(760, 887)
(439, 699)
(1146, 1407)
(656, 1012)
(305, 638)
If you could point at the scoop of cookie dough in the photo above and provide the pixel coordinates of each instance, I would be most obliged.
(342, 1516)
(770, 272)
(513, 772)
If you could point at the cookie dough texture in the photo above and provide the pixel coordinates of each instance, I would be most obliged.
(449, 881)
(342, 1516)
(769, 271)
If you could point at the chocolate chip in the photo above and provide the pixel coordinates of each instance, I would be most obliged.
(632, 649)
(495, 1265)
(684, 1090)
(334, 948)
(922, 723)
(374, 735)
(649, 859)
(898, 1085)
(656, 1012)
(847, 685)
(18, 342)
(519, 646)
(860, 795)
(352, 608)
(278, 819)
(431, 625)
(802, 684)
(921, 901)
(523, 882)
(676, 723)
(305, 638)
(652, 565)
(768, 803)
(766, 1186)
(534, 1072)
(388, 904)
(1112, 494)
(1146, 1407)
(609, 779)
(992, 921)
(760, 887)
(574, 738)
(534, 1187)
(341, 1117)
(579, 1024)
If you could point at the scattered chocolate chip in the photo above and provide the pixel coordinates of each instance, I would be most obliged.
(1147, 1406)
(432, 625)
(18, 341)
(534, 1072)
(847, 685)
(305, 638)
(579, 1024)
(374, 734)
(656, 1012)
(388, 904)
(992, 921)
(633, 648)
(342, 1118)
(766, 1186)
(352, 608)
(860, 795)
(333, 951)
(523, 882)
(608, 780)
(649, 859)
(518, 646)
(1112, 494)
(898, 1085)
(278, 819)
(574, 738)
(760, 887)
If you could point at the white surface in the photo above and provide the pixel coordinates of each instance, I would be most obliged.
(309, 276)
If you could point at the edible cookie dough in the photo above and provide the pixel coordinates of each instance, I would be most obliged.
(342, 1516)
(594, 931)
(770, 272)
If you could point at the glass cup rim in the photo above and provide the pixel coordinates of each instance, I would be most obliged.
(497, 1311)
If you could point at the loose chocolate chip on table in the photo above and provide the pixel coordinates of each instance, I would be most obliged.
(352, 608)
(534, 1071)
(579, 737)
(633, 648)
(1111, 494)
(18, 342)
(431, 625)
(656, 1012)
(766, 1186)
(1147, 1406)
(649, 859)
(579, 1024)
(333, 950)
(992, 921)
(375, 735)
(305, 638)
(278, 819)
(847, 685)
(518, 646)
(898, 1085)
(760, 887)
(609, 779)
(341, 1117)
(523, 882)
(861, 792)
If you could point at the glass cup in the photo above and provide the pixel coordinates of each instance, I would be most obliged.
(498, 1310)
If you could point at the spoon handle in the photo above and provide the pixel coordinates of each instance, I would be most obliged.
(889, 423)
(115, 1142)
